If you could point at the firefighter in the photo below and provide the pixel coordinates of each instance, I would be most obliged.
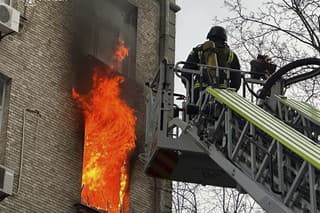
(262, 67)
(215, 51)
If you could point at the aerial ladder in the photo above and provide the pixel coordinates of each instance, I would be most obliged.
(268, 147)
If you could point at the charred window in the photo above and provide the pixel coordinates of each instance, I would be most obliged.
(99, 24)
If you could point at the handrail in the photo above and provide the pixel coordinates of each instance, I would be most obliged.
(178, 68)
(306, 109)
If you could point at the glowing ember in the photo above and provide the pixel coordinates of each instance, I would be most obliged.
(109, 138)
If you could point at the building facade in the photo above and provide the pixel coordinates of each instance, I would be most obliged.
(41, 125)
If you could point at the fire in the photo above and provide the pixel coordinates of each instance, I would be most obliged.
(109, 138)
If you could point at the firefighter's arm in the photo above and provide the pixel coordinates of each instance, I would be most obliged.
(235, 77)
(235, 62)
(193, 60)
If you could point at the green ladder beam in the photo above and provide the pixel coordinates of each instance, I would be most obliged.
(307, 110)
(274, 127)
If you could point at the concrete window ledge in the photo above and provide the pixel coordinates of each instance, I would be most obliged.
(81, 208)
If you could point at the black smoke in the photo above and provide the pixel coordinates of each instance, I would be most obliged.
(98, 24)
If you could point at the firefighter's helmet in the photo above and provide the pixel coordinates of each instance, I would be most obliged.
(217, 33)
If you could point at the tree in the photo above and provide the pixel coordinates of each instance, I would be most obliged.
(184, 197)
(286, 30)
(194, 198)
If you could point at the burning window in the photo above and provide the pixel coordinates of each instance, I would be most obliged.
(109, 121)
(109, 138)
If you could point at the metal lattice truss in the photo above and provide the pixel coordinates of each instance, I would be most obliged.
(271, 152)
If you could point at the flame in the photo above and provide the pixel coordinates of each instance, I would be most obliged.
(120, 54)
(109, 138)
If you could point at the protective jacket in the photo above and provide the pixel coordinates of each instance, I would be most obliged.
(211, 53)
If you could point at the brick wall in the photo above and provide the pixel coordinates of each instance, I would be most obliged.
(39, 62)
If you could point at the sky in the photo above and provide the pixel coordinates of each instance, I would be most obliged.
(192, 25)
(195, 19)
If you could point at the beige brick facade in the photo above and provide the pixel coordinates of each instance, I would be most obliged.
(39, 62)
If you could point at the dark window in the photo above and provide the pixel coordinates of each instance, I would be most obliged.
(4, 97)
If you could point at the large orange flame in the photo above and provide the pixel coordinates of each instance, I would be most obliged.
(109, 138)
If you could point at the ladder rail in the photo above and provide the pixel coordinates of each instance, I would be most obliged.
(301, 115)
(308, 111)
(260, 168)
(296, 142)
